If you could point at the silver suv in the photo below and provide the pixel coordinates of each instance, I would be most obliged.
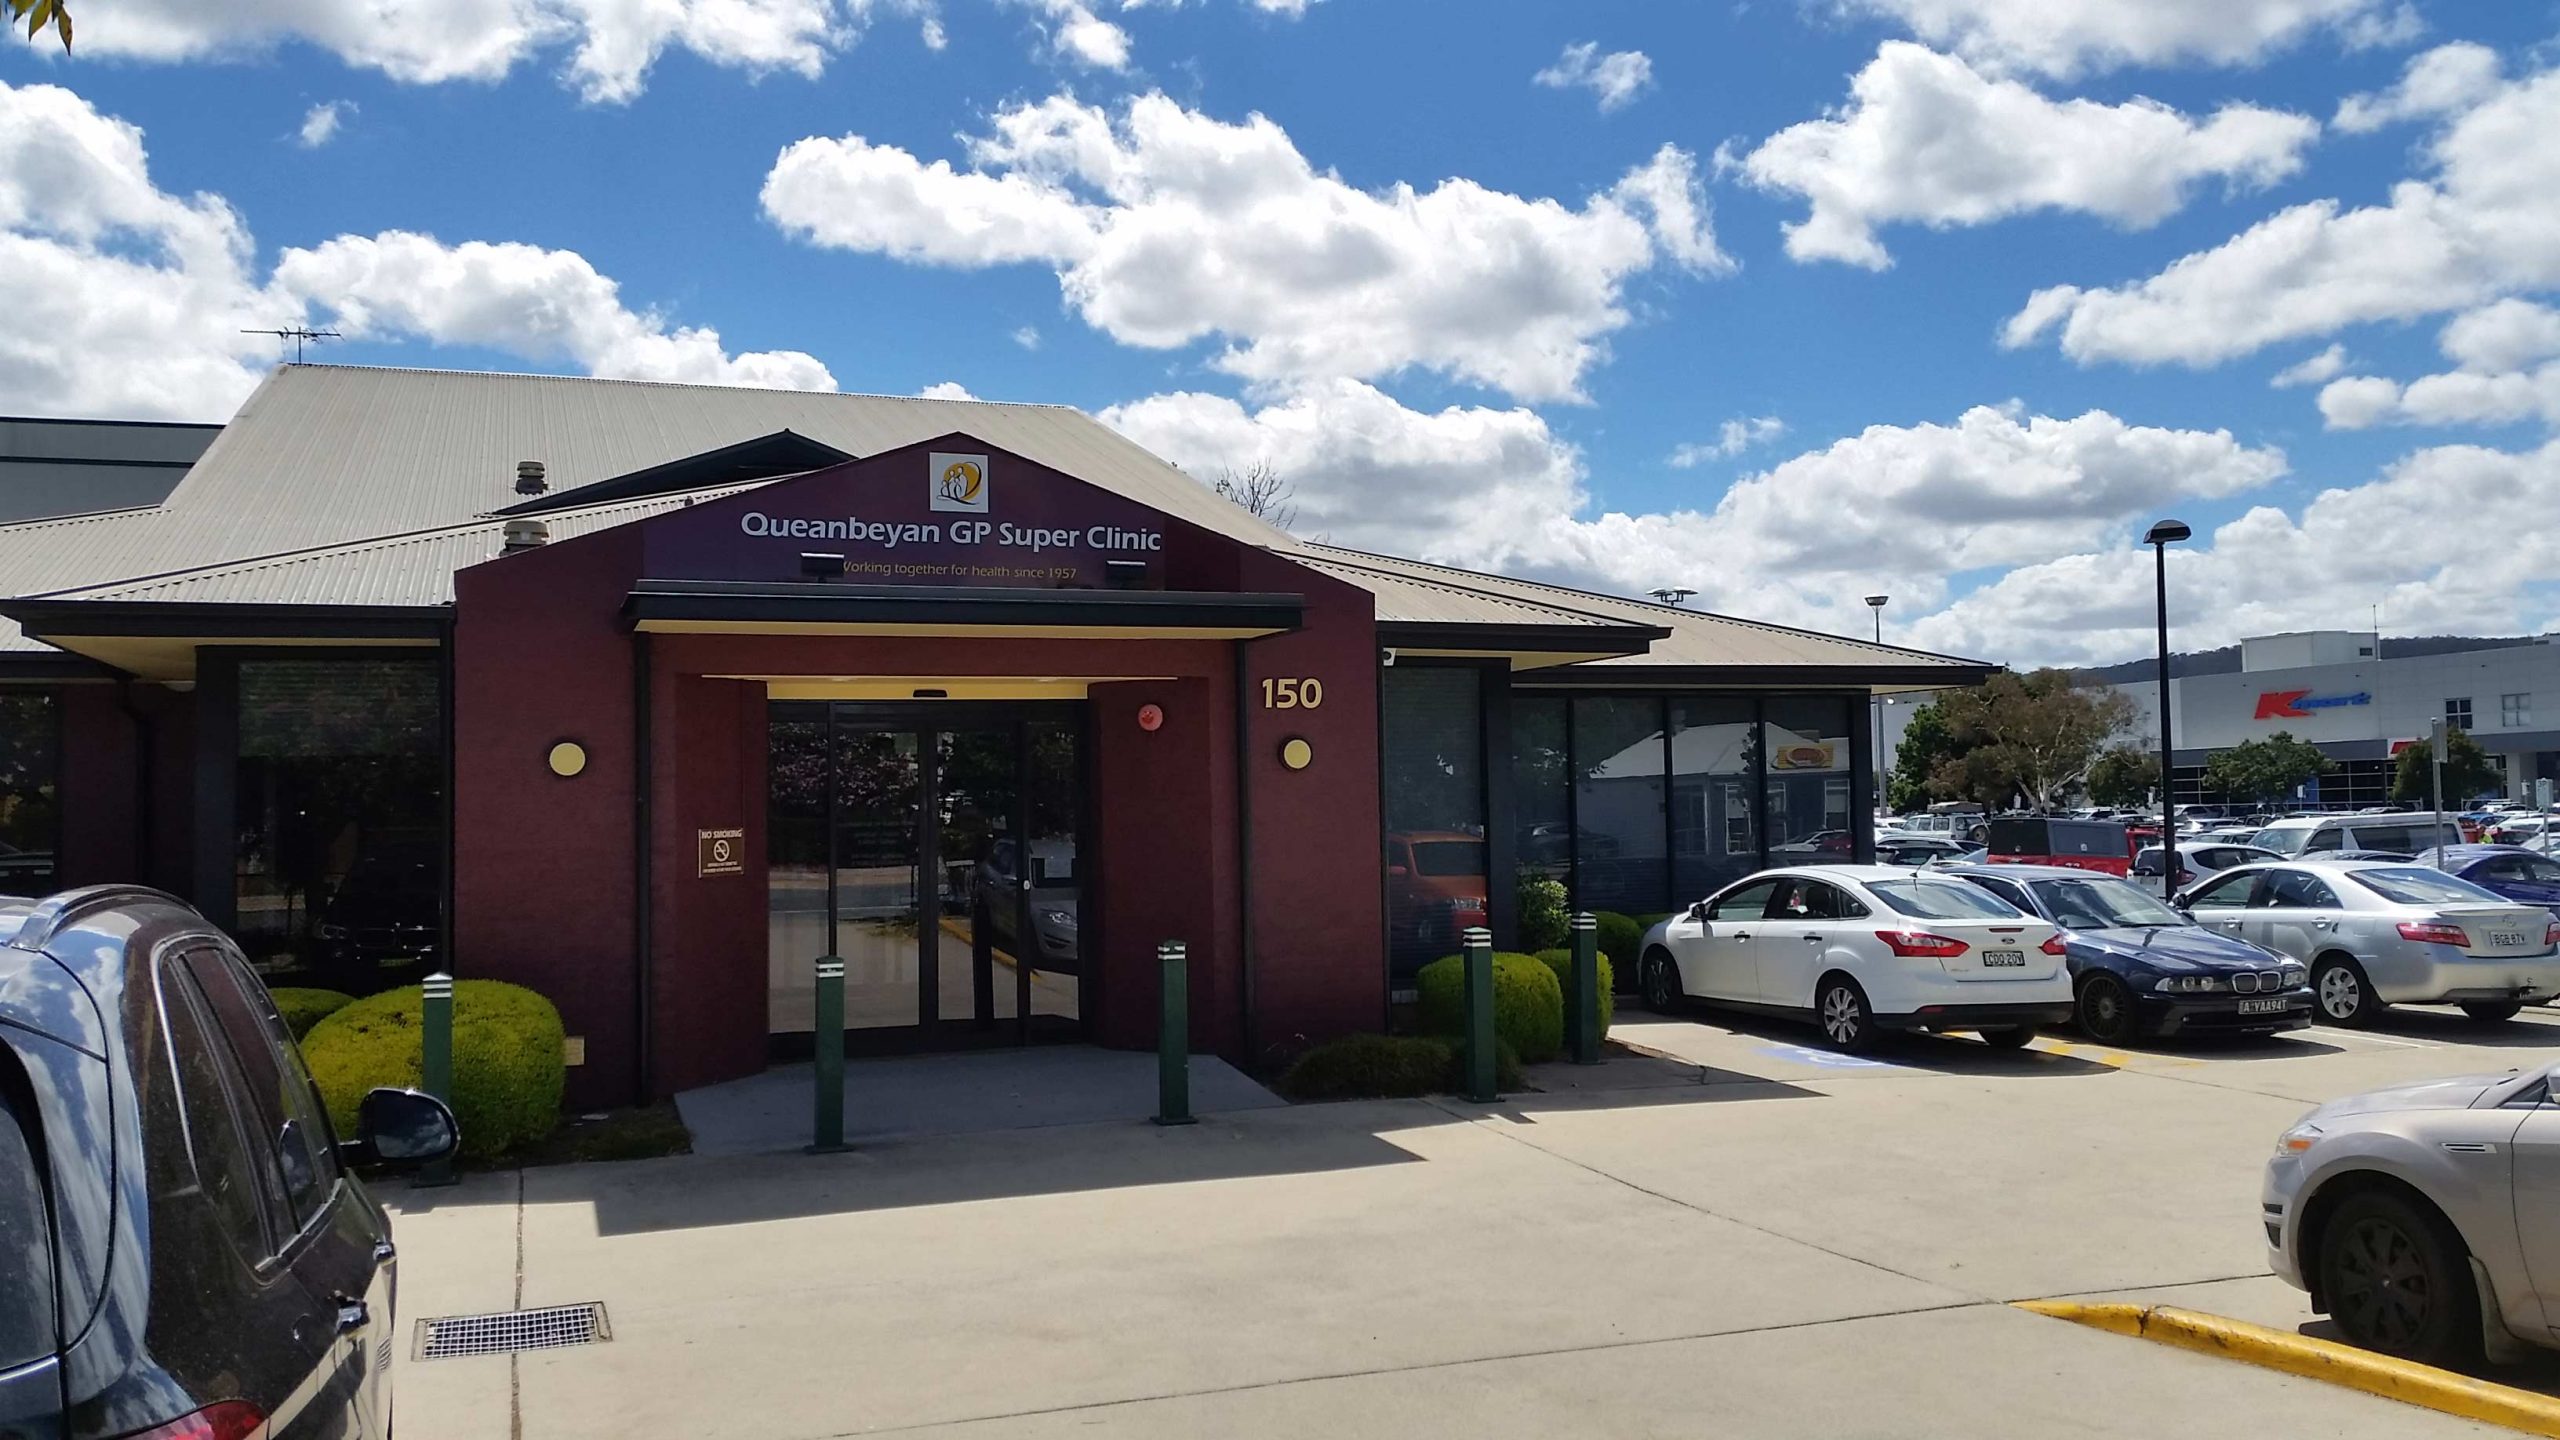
(2425, 1220)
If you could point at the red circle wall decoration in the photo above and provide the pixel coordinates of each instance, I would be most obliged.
(1151, 718)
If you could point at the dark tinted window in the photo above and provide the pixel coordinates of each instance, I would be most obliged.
(208, 1084)
(2295, 890)
(30, 812)
(26, 1234)
(279, 1100)
(1813, 900)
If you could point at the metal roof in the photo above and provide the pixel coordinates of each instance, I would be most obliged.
(346, 485)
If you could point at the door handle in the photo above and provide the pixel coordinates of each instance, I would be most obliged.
(1741, 934)
(1813, 939)
(383, 1253)
(352, 1314)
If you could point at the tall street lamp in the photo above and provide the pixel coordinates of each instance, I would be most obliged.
(2160, 537)
(1875, 704)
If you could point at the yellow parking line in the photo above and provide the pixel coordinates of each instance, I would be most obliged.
(2402, 1380)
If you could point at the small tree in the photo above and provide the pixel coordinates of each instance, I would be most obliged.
(2265, 769)
(40, 13)
(2124, 777)
(1260, 490)
(2468, 771)
(2033, 735)
(1926, 743)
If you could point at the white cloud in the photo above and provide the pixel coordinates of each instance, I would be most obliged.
(2496, 380)
(1077, 34)
(1028, 337)
(126, 301)
(321, 122)
(2268, 571)
(1497, 489)
(2065, 38)
(528, 301)
(1735, 437)
(2444, 81)
(1926, 139)
(1166, 226)
(1617, 78)
(610, 44)
(2312, 370)
(2486, 225)
(945, 390)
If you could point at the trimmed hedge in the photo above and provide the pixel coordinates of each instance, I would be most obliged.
(1561, 962)
(1619, 937)
(507, 1068)
(1528, 1005)
(303, 1008)
(1371, 1067)
(1541, 920)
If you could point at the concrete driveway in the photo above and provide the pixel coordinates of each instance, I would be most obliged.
(1744, 1237)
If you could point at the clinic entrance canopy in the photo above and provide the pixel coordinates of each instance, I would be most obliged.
(646, 695)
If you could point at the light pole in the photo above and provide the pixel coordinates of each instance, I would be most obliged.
(1875, 704)
(2160, 537)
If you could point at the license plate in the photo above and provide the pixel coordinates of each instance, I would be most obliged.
(2262, 1007)
(1999, 959)
(2506, 937)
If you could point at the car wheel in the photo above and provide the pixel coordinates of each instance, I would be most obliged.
(2397, 1279)
(1661, 984)
(2492, 1012)
(2011, 1037)
(2342, 993)
(2108, 1014)
(1841, 1007)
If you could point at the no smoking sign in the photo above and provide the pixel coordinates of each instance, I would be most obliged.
(720, 852)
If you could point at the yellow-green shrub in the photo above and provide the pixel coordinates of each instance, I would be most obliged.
(507, 1067)
(304, 1008)
(1561, 962)
(1528, 1005)
(1620, 935)
(1368, 1067)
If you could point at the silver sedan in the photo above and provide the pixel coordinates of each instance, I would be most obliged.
(2377, 934)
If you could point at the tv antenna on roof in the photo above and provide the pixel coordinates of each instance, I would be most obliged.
(1672, 595)
(299, 335)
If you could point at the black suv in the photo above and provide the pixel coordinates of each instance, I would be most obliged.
(184, 1254)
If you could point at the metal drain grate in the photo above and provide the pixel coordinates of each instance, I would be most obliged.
(442, 1337)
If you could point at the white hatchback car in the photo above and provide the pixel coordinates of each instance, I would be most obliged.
(1862, 949)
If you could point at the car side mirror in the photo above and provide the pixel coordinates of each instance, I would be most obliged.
(1698, 912)
(402, 1128)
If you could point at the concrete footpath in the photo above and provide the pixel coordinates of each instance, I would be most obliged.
(1735, 1240)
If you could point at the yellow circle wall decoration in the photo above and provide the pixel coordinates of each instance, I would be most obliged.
(1296, 753)
(567, 759)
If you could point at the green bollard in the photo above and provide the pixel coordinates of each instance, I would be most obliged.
(1477, 946)
(1583, 1005)
(829, 1057)
(435, 1062)
(1173, 1034)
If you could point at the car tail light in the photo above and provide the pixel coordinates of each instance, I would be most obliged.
(2053, 946)
(2434, 932)
(2551, 933)
(1920, 944)
(221, 1420)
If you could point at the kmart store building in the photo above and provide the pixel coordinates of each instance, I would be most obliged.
(648, 695)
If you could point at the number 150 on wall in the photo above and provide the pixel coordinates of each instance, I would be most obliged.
(1303, 694)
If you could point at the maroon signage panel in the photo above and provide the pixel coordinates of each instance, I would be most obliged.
(954, 514)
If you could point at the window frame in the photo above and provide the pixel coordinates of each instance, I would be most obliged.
(2458, 712)
(1716, 903)
(2515, 710)
(290, 1222)
(174, 989)
(2268, 896)
(2242, 883)
(58, 730)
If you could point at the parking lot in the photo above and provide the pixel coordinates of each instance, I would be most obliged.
(1727, 1231)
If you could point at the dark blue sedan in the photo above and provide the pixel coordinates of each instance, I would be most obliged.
(2142, 969)
(2507, 870)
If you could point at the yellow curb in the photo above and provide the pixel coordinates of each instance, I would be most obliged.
(2312, 1359)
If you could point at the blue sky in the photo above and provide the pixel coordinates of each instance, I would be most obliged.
(1511, 386)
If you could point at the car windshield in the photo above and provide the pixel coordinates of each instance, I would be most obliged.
(1449, 857)
(2283, 842)
(1929, 899)
(2415, 885)
(2102, 904)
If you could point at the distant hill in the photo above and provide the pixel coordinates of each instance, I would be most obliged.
(2226, 660)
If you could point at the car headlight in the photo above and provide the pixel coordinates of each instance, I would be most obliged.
(2298, 1139)
(2295, 975)
(1063, 919)
(333, 932)
(2189, 984)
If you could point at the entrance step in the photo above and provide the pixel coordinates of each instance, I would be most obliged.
(955, 1094)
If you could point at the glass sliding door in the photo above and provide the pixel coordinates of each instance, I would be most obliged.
(897, 840)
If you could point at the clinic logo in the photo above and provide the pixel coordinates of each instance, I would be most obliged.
(958, 483)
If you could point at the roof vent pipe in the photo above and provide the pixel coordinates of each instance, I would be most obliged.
(525, 535)
(529, 479)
